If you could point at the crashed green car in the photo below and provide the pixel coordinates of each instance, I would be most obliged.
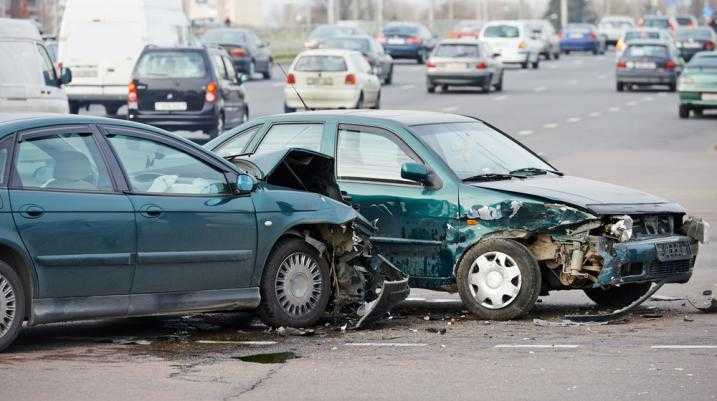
(461, 206)
(697, 86)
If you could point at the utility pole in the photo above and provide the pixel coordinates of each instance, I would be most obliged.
(563, 13)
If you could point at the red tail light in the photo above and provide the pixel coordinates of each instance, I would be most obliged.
(454, 34)
(237, 52)
(709, 45)
(670, 65)
(413, 40)
(350, 79)
(593, 35)
(290, 79)
(482, 65)
(430, 64)
(621, 64)
(132, 96)
(211, 95)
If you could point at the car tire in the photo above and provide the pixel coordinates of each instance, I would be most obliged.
(360, 102)
(556, 56)
(421, 57)
(620, 86)
(498, 279)
(269, 71)
(547, 56)
(487, 85)
(288, 109)
(12, 305)
(74, 107)
(672, 87)
(377, 105)
(617, 297)
(499, 85)
(245, 115)
(444, 88)
(535, 64)
(293, 269)
(112, 109)
(596, 51)
(389, 77)
(430, 89)
(697, 112)
(566, 52)
(524, 65)
(218, 128)
(684, 111)
(252, 70)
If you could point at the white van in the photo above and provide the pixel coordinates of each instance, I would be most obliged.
(100, 41)
(28, 80)
(514, 41)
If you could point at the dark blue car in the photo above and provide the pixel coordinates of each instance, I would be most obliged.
(581, 38)
(407, 40)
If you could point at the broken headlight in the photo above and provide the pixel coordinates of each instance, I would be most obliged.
(621, 229)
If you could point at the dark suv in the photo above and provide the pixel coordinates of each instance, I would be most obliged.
(187, 89)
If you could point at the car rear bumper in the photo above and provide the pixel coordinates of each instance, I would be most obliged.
(324, 98)
(694, 98)
(578, 45)
(457, 79)
(402, 51)
(657, 77)
(177, 121)
(96, 93)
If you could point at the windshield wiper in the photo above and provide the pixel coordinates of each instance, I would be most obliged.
(489, 177)
(529, 171)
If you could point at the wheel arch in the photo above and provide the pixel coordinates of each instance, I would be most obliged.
(522, 237)
(21, 263)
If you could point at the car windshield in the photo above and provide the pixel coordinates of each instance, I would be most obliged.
(474, 148)
(501, 31)
(320, 63)
(171, 64)
(632, 35)
(21, 64)
(401, 29)
(646, 51)
(225, 36)
(326, 31)
(686, 34)
(457, 50)
(703, 62)
(359, 44)
(657, 23)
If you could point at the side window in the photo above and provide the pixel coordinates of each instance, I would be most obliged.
(283, 136)
(371, 155)
(230, 69)
(48, 69)
(5, 148)
(156, 168)
(219, 66)
(236, 145)
(63, 161)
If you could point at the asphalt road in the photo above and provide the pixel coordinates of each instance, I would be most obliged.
(568, 111)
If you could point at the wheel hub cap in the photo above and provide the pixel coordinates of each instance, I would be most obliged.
(298, 284)
(495, 280)
(7, 305)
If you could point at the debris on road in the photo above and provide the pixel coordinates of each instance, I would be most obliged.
(291, 331)
(230, 342)
(565, 323)
(436, 330)
(618, 313)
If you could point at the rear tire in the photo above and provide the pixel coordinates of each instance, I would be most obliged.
(218, 127)
(535, 64)
(672, 87)
(524, 65)
(269, 71)
(421, 57)
(618, 297)
(684, 111)
(74, 107)
(295, 287)
(556, 56)
(430, 89)
(12, 305)
(697, 112)
(444, 88)
(360, 102)
(111, 109)
(487, 85)
(389, 76)
(288, 109)
(378, 101)
(499, 85)
(620, 86)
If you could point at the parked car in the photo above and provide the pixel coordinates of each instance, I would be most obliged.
(464, 206)
(614, 27)
(513, 41)
(660, 21)
(543, 32)
(407, 40)
(582, 38)
(698, 85)
(107, 218)
(463, 62)
(192, 88)
(468, 29)
(28, 79)
(250, 54)
(648, 62)
(381, 63)
(100, 41)
(686, 21)
(694, 40)
(326, 31)
(331, 79)
(641, 33)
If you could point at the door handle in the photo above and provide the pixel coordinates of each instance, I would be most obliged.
(31, 211)
(151, 211)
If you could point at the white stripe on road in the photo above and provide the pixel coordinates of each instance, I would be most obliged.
(277, 84)
(525, 132)
(499, 98)
(594, 114)
(221, 342)
(573, 119)
(386, 344)
(614, 109)
(408, 86)
(684, 347)
(633, 103)
(450, 109)
(550, 125)
(540, 89)
(647, 98)
(536, 346)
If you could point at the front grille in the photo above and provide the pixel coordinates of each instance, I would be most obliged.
(659, 269)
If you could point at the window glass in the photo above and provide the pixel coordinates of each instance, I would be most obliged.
(646, 51)
(236, 145)
(697, 33)
(172, 64)
(501, 31)
(5, 147)
(20, 64)
(399, 29)
(48, 69)
(153, 167)
(370, 155)
(224, 36)
(230, 69)
(64, 161)
(348, 43)
(703, 61)
(284, 136)
(657, 23)
(320, 63)
(219, 66)
(457, 50)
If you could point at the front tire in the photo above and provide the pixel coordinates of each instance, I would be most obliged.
(218, 128)
(684, 111)
(618, 297)
(295, 286)
(620, 87)
(12, 305)
(269, 70)
(498, 280)
(74, 107)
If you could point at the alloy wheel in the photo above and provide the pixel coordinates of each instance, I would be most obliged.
(298, 284)
(495, 280)
(7, 305)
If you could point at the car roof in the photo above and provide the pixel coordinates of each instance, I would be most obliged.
(460, 41)
(327, 52)
(18, 29)
(642, 42)
(402, 117)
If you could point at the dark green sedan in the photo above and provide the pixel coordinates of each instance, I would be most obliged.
(104, 218)
(698, 85)
(462, 206)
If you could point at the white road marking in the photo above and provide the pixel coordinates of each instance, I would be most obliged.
(662, 94)
(552, 66)
(500, 98)
(684, 347)
(408, 86)
(540, 89)
(573, 82)
(614, 109)
(572, 346)
(594, 114)
(633, 103)
(573, 119)
(525, 132)
(550, 125)
(236, 342)
(450, 109)
(577, 61)
(415, 299)
(647, 98)
(386, 344)
(277, 84)
(601, 76)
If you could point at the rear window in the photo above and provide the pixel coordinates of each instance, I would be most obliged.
(226, 37)
(646, 51)
(657, 23)
(501, 31)
(400, 30)
(457, 50)
(703, 62)
(171, 64)
(684, 34)
(684, 20)
(327, 31)
(320, 63)
(361, 45)
(641, 35)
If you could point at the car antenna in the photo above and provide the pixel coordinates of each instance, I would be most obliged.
(293, 87)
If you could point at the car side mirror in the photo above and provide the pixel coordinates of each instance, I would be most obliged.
(415, 172)
(245, 184)
(65, 76)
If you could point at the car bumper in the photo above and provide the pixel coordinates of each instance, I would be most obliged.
(322, 98)
(242, 65)
(402, 51)
(177, 121)
(578, 46)
(457, 79)
(656, 77)
(640, 261)
(514, 56)
(96, 93)
(694, 98)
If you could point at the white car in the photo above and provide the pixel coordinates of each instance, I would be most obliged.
(613, 27)
(548, 39)
(514, 41)
(331, 79)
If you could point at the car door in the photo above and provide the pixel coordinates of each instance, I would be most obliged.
(52, 94)
(238, 97)
(75, 222)
(193, 232)
(413, 220)
(229, 91)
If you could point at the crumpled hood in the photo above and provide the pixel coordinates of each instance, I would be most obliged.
(598, 197)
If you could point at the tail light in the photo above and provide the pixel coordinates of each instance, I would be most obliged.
(211, 95)
(709, 45)
(132, 96)
(621, 64)
(413, 40)
(290, 79)
(454, 34)
(522, 45)
(430, 64)
(670, 65)
(238, 52)
(350, 79)
(481, 66)
(593, 35)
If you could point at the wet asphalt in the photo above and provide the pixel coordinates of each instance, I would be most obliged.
(431, 349)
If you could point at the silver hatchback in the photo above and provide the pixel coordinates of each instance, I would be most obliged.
(463, 62)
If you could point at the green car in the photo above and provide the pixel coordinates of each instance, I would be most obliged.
(104, 218)
(698, 84)
(461, 206)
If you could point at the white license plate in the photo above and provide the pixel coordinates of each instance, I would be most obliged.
(84, 73)
(396, 41)
(689, 45)
(709, 96)
(645, 66)
(456, 66)
(320, 81)
(170, 106)
(575, 36)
